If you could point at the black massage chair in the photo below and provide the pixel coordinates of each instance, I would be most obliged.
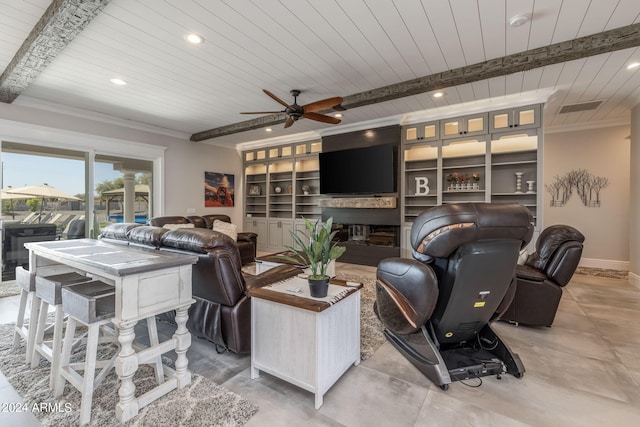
(437, 308)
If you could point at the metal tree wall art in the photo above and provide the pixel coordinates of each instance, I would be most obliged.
(587, 186)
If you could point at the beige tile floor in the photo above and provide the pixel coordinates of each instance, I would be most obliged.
(582, 371)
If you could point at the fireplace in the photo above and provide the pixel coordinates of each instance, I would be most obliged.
(364, 234)
(369, 234)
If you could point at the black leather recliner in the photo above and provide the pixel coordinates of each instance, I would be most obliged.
(437, 307)
(544, 274)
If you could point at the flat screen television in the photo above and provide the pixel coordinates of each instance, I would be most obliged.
(367, 170)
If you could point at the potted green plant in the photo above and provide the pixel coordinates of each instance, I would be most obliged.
(317, 248)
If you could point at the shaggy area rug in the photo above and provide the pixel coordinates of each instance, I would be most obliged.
(9, 289)
(203, 403)
(603, 272)
(371, 336)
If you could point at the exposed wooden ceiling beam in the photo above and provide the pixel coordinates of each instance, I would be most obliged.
(59, 24)
(595, 44)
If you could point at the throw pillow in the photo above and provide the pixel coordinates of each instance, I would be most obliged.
(523, 256)
(177, 226)
(226, 228)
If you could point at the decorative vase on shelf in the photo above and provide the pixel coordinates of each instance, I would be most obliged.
(519, 182)
(530, 186)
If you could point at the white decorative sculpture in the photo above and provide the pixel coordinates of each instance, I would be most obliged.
(422, 185)
(530, 187)
(519, 182)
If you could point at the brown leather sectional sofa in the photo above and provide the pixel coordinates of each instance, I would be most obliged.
(247, 242)
(222, 311)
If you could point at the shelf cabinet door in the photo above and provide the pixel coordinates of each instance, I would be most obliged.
(428, 131)
(255, 155)
(280, 152)
(527, 117)
(279, 234)
(306, 148)
(471, 125)
(258, 226)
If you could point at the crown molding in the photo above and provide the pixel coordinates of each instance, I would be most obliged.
(39, 104)
(587, 126)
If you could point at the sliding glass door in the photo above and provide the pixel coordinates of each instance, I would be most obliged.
(52, 193)
(43, 198)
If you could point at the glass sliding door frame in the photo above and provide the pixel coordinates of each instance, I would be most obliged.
(91, 146)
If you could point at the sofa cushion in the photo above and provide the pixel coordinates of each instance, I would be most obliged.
(226, 228)
(200, 240)
(197, 221)
(209, 219)
(177, 226)
(118, 231)
(147, 235)
(159, 221)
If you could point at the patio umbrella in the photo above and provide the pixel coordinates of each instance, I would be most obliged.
(43, 191)
(10, 196)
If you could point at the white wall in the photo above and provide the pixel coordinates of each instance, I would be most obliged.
(603, 152)
(186, 164)
(185, 161)
(634, 211)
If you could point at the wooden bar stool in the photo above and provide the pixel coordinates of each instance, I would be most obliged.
(26, 330)
(93, 305)
(49, 291)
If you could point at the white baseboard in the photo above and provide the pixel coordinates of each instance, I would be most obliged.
(604, 263)
(634, 280)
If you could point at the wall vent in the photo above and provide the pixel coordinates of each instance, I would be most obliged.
(583, 106)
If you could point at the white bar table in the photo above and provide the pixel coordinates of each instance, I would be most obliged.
(147, 283)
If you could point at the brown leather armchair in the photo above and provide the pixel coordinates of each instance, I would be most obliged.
(545, 272)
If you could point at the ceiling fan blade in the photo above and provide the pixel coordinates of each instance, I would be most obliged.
(322, 104)
(289, 122)
(321, 118)
(275, 98)
(262, 112)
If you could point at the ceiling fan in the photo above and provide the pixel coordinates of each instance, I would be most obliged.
(295, 111)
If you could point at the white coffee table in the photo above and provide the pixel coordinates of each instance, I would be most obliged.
(308, 342)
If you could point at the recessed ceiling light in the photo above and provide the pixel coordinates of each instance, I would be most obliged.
(118, 82)
(268, 129)
(195, 38)
(338, 115)
(438, 94)
(633, 65)
(518, 20)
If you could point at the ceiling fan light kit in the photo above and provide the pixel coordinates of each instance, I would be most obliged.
(309, 111)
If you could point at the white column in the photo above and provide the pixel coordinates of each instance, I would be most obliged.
(129, 196)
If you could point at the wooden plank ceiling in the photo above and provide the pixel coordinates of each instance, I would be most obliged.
(327, 48)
